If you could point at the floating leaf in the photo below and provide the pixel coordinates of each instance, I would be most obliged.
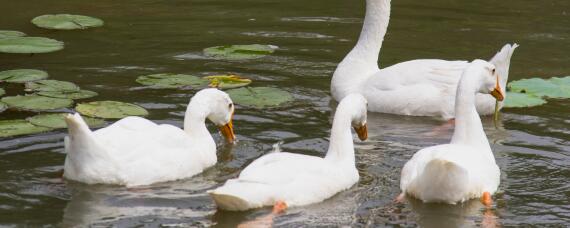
(110, 109)
(57, 120)
(3, 107)
(227, 81)
(10, 33)
(19, 127)
(29, 45)
(66, 21)
(259, 97)
(51, 86)
(551, 88)
(22, 75)
(36, 103)
(521, 100)
(75, 95)
(168, 80)
(237, 52)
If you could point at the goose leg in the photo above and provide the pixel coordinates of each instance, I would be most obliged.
(266, 220)
(400, 198)
(486, 199)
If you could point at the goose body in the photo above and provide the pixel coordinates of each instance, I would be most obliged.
(297, 179)
(465, 168)
(135, 151)
(423, 87)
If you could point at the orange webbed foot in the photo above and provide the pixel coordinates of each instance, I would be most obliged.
(486, 199)
(279, 207)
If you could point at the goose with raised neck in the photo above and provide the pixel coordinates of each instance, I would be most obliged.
(135, 151)
(422, 87)
(465, 168)
(290, 179)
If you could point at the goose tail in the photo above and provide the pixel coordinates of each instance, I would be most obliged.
(443, 181)
(238, 195)
(502, 61)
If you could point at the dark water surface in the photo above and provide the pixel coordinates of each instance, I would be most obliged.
(151, 36)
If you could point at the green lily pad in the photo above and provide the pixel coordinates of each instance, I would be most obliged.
(259, 97)
(237, 52)
(19, 127)
(10, 33)
(168, 80)
(57, 120)
(22, 75)
(29, 45)
(51, 86)
(36, 103)
(74, 95)
(110, 109)
(3, 107)
(551, 88)
(227, 81)
(522, 100)
(2, 92)
(66, 21)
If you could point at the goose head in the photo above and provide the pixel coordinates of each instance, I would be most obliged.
(356, 106)
(219, 109)
(489, 79)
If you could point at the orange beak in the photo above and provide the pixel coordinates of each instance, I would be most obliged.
(498, 92)
(362, 132)
(228, 131)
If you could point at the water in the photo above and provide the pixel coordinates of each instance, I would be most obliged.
(148, 36)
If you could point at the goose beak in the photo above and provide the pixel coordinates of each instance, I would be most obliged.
(228, 131)
(498, 92)
(362, 132)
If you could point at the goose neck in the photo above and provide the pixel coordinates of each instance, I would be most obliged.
(373, 31)
(195, 121)
(341, 147)
(468, 126)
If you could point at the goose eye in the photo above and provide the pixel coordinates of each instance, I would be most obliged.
(493, 70)
(230, 105)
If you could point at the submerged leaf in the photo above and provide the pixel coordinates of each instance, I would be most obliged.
(110, 109)
(168, 80)
(36, 103)
(57, 120)
(551, 88)
(259, 97)
(66, 21)
(51, 86)
(19, 127)
(22, 75)
(227, 81)
(10, 33)
(29, 45)
(521, 100)
(237, 52)
(75, 95)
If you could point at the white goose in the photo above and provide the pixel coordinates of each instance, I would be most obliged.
(287, 179)
(423, 87)
(135, 151)
(465, 168)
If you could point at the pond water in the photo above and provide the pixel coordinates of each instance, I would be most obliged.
(151, 36)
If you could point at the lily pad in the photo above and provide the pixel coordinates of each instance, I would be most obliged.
(19, 127)
(168, 80)
(57, 120)
(259, 97)
(2, 92)
(66, 21)
(75, 95)
(110, 109)
(22, 75)
(10, 33)
(51, 86)
(29, 45)
(521, 100)
(36, 103)
(227, 81)
(551, 88)
(237, 52)
(3, 107)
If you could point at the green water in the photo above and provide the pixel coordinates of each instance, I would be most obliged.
(149, 36)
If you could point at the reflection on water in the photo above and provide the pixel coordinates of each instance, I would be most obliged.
(144, 37)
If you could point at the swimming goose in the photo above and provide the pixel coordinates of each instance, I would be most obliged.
(287, 179)
(135, 151)
(465, 168)
(423, 87)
